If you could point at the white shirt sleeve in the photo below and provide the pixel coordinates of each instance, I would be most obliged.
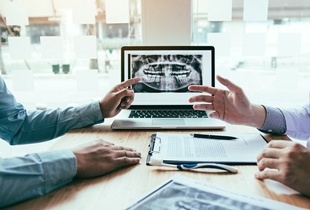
(298, 122)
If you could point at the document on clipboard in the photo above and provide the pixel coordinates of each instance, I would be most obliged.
(176, 148)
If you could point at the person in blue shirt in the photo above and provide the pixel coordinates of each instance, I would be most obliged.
(289, 161)
(37, 174)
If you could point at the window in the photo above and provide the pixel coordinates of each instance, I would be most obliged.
(263, 46)
(53, 45)
(74, 58)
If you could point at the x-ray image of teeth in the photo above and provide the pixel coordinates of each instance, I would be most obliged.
(166, 73)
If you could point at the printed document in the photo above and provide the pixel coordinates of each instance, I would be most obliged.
(184, 148)
(181, 192)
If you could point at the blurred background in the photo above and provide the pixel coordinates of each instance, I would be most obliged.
(58, 53)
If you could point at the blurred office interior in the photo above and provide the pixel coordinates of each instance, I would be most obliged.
(58, 53)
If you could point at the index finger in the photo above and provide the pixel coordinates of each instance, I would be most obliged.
(128, 82)
(231, 86)
(202, 88)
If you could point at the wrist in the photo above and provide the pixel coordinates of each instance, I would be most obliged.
(79, 163)
(105, 113)
(258, 116)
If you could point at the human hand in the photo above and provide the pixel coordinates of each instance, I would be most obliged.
(290, 164)
(100, 157)
(230, 105)
(120, 97)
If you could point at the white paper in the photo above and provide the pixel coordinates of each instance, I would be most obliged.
(117, 11)
(185, 148)
(20, 47)
(181, 192)
(219, 10)
(85, 47)
(12, 8)
(255, 10)
(52, 47)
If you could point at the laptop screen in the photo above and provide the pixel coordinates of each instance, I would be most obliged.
(167, 71)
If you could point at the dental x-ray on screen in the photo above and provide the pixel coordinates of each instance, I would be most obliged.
(166, 73)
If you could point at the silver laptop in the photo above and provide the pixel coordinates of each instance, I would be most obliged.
(161, 96)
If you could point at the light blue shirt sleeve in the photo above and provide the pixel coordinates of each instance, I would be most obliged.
(35, 175)
(274, 122)
(298, 122)
(19, 126)
(292, 122)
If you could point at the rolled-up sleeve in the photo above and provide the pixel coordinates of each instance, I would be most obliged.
(35, 175)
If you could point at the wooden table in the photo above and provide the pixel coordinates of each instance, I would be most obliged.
(119, 189)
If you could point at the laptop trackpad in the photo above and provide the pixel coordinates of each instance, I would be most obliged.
(168, 122)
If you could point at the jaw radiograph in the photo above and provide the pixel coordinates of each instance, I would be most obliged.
(166, 73)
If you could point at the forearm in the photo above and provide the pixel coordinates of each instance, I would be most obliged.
(37, 126)
(34, 175)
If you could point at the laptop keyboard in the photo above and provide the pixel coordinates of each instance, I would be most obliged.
(168, 114)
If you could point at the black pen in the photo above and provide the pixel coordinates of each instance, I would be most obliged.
(208, 136)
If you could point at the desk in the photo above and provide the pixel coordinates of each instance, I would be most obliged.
(119, 189)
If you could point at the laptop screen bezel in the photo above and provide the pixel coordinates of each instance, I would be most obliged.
(158, 48)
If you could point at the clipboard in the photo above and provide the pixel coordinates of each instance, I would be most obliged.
(242, 151)
(152, 149)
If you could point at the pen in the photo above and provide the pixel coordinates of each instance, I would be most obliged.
(208, 136)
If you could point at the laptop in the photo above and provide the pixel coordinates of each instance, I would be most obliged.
(161, 96)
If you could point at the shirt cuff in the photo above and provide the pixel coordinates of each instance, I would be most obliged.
(274, 122)
(59, 167)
